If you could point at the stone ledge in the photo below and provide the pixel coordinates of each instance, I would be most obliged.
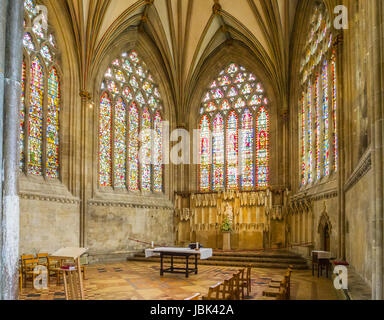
(120, 256)
(121, 204)
(49, 198)
(360, 171)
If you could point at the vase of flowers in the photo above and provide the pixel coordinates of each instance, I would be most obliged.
(226, 229)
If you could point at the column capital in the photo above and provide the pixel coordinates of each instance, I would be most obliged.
(85, 95)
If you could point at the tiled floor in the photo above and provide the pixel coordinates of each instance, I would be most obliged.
(141, 281)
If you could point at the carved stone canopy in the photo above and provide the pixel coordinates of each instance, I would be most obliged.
(324, 221)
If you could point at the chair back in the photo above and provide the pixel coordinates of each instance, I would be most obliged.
(42, 257)
(71, 284)
(194, 297)
(214, 292)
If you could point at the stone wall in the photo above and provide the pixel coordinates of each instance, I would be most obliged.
(113, 226)
(359, 214)
(46, 226)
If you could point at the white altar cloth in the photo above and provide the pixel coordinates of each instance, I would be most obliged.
(204, 253)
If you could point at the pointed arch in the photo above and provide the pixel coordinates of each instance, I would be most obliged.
(233, 100)
(137, 163)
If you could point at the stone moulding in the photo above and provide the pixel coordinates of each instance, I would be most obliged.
(39, 197)
(97, 203)
(361, 170)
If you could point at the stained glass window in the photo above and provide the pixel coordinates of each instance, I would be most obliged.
(53, 125)
(319, 83)
(146, 126)
(309, 136)
(334, 111)
(246, 151)
(157, 154)
(229, 153)
(35, 145)
(303, 145)
(22, 116)
(138, 127)
(318, 129)
(120, 152)
(325, 119)
(262, 156)
(218, 152)
(133, 147)
(105, 137)
(40, 118)
(205, 154)
(232, 151)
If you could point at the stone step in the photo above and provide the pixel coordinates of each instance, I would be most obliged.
(247, 259)
(258, 259)
(272, 265)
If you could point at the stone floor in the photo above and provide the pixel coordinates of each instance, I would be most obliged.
(141, 281)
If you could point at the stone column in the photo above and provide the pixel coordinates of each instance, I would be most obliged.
(338, 44)
(10, 201)
(3, 18)
(377, 92)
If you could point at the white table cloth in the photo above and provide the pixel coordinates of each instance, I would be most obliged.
(322, 254)
(204, 253)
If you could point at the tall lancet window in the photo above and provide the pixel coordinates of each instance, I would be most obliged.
(318, 102)
(130, 127)
(234, 133)
(41, 98)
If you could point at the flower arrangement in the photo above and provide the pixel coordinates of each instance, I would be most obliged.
(227, 224)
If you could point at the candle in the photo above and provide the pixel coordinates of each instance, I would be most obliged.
(153, 244)
(197, 245)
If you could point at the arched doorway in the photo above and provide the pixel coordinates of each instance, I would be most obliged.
(326, 245)
(325, 231)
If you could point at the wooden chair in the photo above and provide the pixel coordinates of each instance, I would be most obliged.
(29, 269)
(274, 292)
(274, 284)
(194, 297)
(43, 259)
(71, 284)
(23, 258)
(54, 269)
(20, 278)
(213, 292)
(246, 281)
(238, 279)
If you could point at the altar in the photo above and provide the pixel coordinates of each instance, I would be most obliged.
(256, 218)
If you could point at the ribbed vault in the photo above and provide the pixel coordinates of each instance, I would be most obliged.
(186, 33)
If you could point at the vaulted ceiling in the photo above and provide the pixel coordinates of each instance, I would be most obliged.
(187, 31)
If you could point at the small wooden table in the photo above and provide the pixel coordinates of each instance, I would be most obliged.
(75, 254)
(322, 260)
(179, 252)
